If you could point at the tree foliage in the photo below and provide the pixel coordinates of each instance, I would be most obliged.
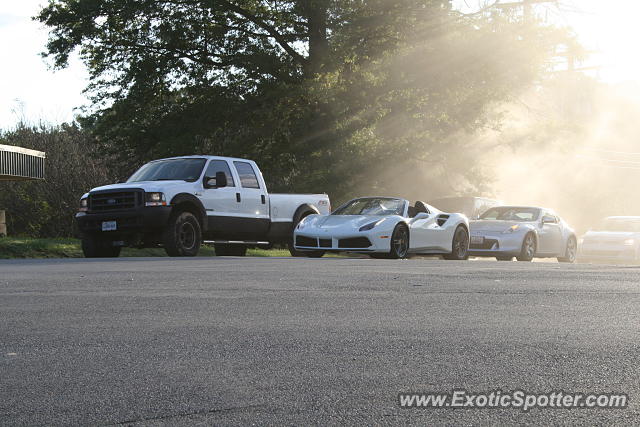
(47, 208)
(325, 94)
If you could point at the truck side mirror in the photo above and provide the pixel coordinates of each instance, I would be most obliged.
(219, 181)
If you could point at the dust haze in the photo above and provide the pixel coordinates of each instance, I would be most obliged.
(569, 144)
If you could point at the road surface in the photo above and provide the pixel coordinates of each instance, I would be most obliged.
(234, 341)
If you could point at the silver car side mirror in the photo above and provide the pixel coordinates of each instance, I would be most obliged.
(548, 220)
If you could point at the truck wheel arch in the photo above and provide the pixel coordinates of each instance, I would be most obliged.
(302, 211)
(190, 203)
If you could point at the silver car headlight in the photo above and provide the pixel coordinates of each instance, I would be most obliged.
(511, 229)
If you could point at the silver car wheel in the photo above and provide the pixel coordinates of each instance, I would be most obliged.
(528, 251)
(570, 252)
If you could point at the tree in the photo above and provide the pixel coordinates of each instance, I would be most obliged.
(327, 94)
(47, 208)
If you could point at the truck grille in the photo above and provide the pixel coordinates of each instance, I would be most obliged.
(114, 201)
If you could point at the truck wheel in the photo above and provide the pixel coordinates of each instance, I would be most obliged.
(183, 235)
(290, 245)
(95, 247)
(230, 250)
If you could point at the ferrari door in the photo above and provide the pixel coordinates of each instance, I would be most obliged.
(428, 234)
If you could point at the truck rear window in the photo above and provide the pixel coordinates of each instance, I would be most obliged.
(248, 178)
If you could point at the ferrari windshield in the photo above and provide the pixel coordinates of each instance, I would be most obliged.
(372, 206)
(508, 213)
(170, 170)
(620, 225)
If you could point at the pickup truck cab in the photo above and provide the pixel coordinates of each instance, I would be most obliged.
(179, 203)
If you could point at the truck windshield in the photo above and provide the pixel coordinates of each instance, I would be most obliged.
(170, 170)
(372, 206)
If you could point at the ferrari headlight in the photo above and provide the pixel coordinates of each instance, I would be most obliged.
(369, 226)
(155, 199)
(629, 242)
(84, 205)
(511, 229)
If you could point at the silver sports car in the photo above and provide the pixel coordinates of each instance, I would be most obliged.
(384, 227)
(616, 239)
(505, 232)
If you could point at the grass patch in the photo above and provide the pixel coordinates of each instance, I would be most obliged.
(23, 247)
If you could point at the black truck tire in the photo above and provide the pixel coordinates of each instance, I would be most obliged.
(183, 235)
(98, 247)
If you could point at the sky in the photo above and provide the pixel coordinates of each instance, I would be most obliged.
(31, 91)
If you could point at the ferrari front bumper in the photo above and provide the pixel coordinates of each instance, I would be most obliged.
(354, 242)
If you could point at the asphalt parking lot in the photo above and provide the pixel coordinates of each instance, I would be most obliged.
(309, 341)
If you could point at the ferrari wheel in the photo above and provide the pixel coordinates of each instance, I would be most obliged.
(570, 251)
(399, 242)
(460, 245)
(528, 250)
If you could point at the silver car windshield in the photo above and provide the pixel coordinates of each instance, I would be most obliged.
(372, 206)
(620, 225)
(170, 170)
(506, 213)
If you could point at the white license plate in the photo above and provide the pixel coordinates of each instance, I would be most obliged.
(477, 240)
(109, 226)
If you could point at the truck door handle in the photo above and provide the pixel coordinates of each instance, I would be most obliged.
(264, 199)
(238, 197)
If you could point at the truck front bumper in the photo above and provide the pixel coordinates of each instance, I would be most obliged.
(141, 220)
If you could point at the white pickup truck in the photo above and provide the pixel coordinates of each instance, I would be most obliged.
(179, 203)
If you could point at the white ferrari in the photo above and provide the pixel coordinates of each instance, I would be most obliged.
(384, 227)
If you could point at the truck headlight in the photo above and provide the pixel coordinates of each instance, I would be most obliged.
(84, 205)
(155, 199)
